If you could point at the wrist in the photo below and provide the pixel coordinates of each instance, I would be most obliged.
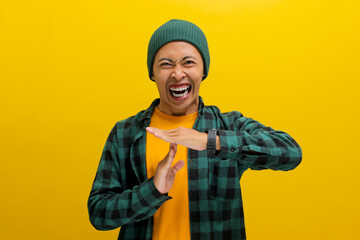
(203, 140)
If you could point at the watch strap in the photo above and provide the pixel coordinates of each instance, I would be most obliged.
(211, 143)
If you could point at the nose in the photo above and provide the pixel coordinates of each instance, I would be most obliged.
(178, 72)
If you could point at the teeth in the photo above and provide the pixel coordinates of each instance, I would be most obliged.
(180, 91)
(181, 94)
(180, 88)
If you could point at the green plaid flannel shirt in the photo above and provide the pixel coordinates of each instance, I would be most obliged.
(124, 196)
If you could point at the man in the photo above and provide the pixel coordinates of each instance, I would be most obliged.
(208, 151)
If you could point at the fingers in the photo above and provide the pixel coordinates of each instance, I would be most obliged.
(155, 131)
(166, 135)
(172, 153)
(151, 130)
(172, 150)
(177, 166)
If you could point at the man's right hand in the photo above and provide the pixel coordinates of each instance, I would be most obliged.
(165, 174)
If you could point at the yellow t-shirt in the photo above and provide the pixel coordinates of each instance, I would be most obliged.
(171, 220)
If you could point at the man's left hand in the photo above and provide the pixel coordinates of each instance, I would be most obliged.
(187, 137)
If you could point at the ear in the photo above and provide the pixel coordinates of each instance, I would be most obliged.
(152, 76)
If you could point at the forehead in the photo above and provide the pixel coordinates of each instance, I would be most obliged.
(178, 49)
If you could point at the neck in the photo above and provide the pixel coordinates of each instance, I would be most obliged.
(178, 112)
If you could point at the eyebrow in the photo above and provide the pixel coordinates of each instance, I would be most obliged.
(172, 61)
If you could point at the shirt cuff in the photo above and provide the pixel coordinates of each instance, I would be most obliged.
(150, 195)
(230, 144)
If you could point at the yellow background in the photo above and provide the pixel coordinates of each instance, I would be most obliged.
(70, 69)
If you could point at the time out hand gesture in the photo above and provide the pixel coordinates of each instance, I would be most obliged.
(187, 137)
(165, 174)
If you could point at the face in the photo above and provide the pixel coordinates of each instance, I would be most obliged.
(178, 71)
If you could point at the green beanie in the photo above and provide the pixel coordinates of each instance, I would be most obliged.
(178, 30)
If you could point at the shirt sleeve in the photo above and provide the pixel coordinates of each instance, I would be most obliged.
(257, 146)
(110, 205)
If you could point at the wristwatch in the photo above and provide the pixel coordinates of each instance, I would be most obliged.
(211, 143)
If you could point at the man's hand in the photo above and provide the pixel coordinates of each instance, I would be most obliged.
(187, 137)
(165, 174)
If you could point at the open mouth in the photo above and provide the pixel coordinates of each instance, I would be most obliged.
(180, 91)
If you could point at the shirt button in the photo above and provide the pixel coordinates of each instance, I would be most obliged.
(232, 150)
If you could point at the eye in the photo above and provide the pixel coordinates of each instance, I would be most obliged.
(165, 64)
(189, 62)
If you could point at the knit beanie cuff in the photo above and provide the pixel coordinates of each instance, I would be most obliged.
(178, 30)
